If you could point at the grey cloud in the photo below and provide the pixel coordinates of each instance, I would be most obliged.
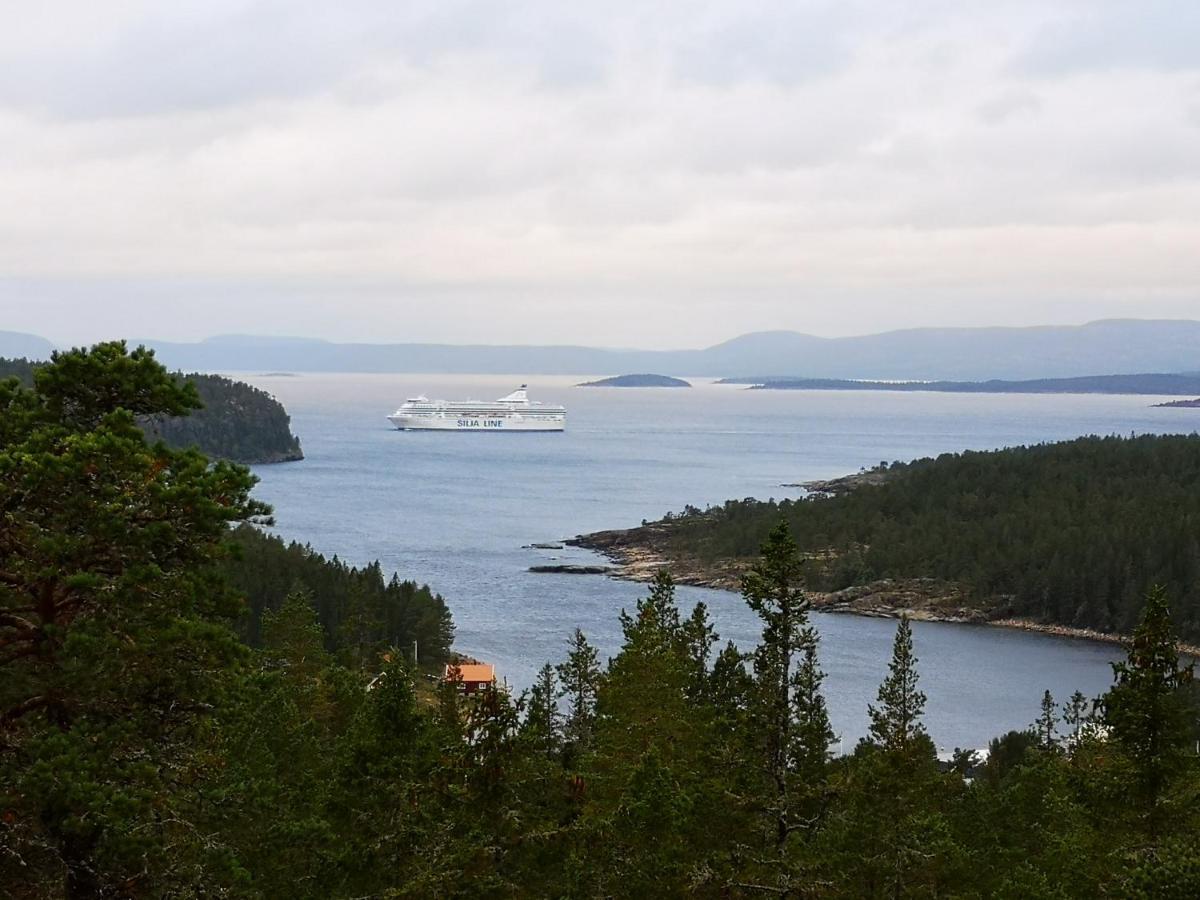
(175, 58)
(590, 165)
(1005, 106)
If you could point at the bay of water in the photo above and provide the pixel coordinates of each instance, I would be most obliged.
(455, 509)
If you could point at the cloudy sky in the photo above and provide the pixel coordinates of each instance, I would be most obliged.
(647, 174)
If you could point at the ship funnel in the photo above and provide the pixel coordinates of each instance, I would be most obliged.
(517, 396)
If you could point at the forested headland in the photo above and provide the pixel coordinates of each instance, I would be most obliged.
(1065, 533)
(235, 421)
(152, 746)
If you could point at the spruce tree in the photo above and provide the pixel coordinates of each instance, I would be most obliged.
(896, 721)
(698, 636)
(1045, 724)
(774, 589)
(655, 626)
(1147, 711)
(543, 722)
(788, 719)
(293, 641)
(655, 732)
(812, 734)
(579, 679)
(1076, 715)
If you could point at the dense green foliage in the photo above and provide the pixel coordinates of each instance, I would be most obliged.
(1069, 533)
(146, 752)
(359, 611)
(20, 369)
(234, 421)
(112, 634)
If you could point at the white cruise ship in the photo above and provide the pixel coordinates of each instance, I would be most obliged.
(515, 412)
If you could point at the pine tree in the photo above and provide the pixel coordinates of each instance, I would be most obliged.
(896, 722)
(964, 761)
(115, 638)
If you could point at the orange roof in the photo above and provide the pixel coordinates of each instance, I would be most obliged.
(482, 672)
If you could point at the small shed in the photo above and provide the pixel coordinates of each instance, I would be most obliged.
(475, 677)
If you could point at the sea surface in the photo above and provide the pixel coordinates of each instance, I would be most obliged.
(458, 510)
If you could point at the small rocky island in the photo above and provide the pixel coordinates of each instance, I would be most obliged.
(1179, 404)
(637, 381)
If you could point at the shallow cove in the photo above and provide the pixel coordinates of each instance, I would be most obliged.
(456, 509)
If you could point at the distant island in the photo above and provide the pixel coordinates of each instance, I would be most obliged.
(1152, 383)
(1179, 404)
(238, 422)
(637, 381)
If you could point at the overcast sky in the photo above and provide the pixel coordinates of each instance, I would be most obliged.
(643, 174)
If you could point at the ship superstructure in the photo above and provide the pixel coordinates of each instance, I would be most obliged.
(514, 412)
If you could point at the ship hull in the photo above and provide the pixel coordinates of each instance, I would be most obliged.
(451, 422)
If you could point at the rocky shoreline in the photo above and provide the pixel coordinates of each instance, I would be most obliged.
(637, 554)
(639, 559)
(573, 569)
(921, 599)
(273, 459)
(833, 487)
(1082, 634)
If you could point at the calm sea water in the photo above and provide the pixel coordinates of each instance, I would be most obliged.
(455, 510)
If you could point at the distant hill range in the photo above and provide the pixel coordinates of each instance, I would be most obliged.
(14, 345)
(1115, 346)
(1161, 384)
